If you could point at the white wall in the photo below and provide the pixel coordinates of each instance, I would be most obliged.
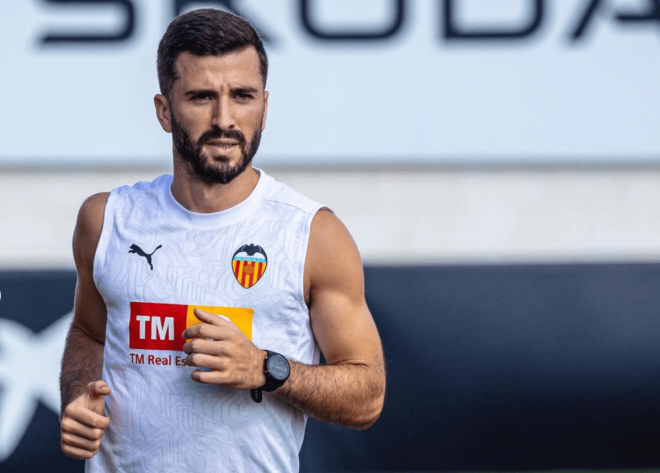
(416, 95)
(425, 216)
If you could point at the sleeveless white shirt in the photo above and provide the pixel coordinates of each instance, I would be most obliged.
(154, 263)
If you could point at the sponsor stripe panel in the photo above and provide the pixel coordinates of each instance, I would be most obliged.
(155, 326)
(240, 316)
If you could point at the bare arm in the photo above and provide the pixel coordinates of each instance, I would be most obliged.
(82, 422)
(350, 390)
(83, 354)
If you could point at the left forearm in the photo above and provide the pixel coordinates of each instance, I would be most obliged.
(346, 394)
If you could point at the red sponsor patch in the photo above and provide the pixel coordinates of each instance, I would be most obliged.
(157, 326)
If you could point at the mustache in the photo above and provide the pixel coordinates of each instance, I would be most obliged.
(217, 133)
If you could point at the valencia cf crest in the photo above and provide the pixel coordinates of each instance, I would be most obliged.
(249, 264)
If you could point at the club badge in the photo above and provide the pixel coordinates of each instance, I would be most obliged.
(249, 264)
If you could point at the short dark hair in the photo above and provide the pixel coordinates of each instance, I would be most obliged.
(205, 32)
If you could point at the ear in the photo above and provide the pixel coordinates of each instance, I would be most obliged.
(163, 112)
(263, 120)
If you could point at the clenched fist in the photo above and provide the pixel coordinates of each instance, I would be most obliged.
(83, 424)
(219, 346)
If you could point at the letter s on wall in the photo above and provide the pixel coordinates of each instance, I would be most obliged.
(123, 34)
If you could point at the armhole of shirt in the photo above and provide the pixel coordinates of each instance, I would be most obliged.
(101, 247)
(304, 248)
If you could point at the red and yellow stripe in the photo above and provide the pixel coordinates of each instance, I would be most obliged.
(248, 272)
(172, 320)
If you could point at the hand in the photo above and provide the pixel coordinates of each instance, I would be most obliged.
(234, 361)
(83, 424)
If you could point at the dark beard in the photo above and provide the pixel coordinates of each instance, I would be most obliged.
(214, 170)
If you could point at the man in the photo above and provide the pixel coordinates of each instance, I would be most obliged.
(203, 298)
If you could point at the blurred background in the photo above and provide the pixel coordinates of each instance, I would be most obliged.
(497, 162)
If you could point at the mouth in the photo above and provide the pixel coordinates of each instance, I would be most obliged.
(222, 146)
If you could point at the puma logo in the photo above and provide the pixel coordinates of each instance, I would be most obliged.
(136, 249)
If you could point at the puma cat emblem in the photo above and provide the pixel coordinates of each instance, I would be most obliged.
(137, 250)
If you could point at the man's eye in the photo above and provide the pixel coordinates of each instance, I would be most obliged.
(243, 96)
(200, 97)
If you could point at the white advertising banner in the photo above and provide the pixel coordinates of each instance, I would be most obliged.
(351, 81)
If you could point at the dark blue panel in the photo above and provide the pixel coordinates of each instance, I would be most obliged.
(509, 367)
(36, 300)
(489, 368)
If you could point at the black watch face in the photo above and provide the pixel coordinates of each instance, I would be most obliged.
(278, 367)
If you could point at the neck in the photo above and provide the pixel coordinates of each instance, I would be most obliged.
(204, 197)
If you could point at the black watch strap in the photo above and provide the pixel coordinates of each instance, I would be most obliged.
(277, 370)
(256, 395)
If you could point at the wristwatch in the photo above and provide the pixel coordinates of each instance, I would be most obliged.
(277, 370)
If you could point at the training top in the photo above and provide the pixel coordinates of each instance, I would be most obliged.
(155, 262)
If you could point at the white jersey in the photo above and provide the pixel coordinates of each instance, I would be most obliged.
(156, 262)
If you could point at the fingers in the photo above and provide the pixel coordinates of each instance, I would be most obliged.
(205, 361)
(217, 378)
(203, 331)
(78, 453)
(215, 331)
(209, 347)
(96, 392)
(82, 431)
(78, 415)
(72, 440)
(74, 428)
(97, 389)
(209, 318)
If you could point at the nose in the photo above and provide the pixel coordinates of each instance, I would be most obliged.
(223, 114)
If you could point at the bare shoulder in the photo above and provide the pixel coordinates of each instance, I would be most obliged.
(333, 259)
(92, 210)
(88, 227)
(328, 231)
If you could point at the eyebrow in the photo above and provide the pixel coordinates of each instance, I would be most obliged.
(211, 92)
(245, 90)
(190, 93)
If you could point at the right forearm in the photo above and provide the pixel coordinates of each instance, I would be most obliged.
(82, 363)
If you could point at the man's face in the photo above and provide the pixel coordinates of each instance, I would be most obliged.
(218, 110)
